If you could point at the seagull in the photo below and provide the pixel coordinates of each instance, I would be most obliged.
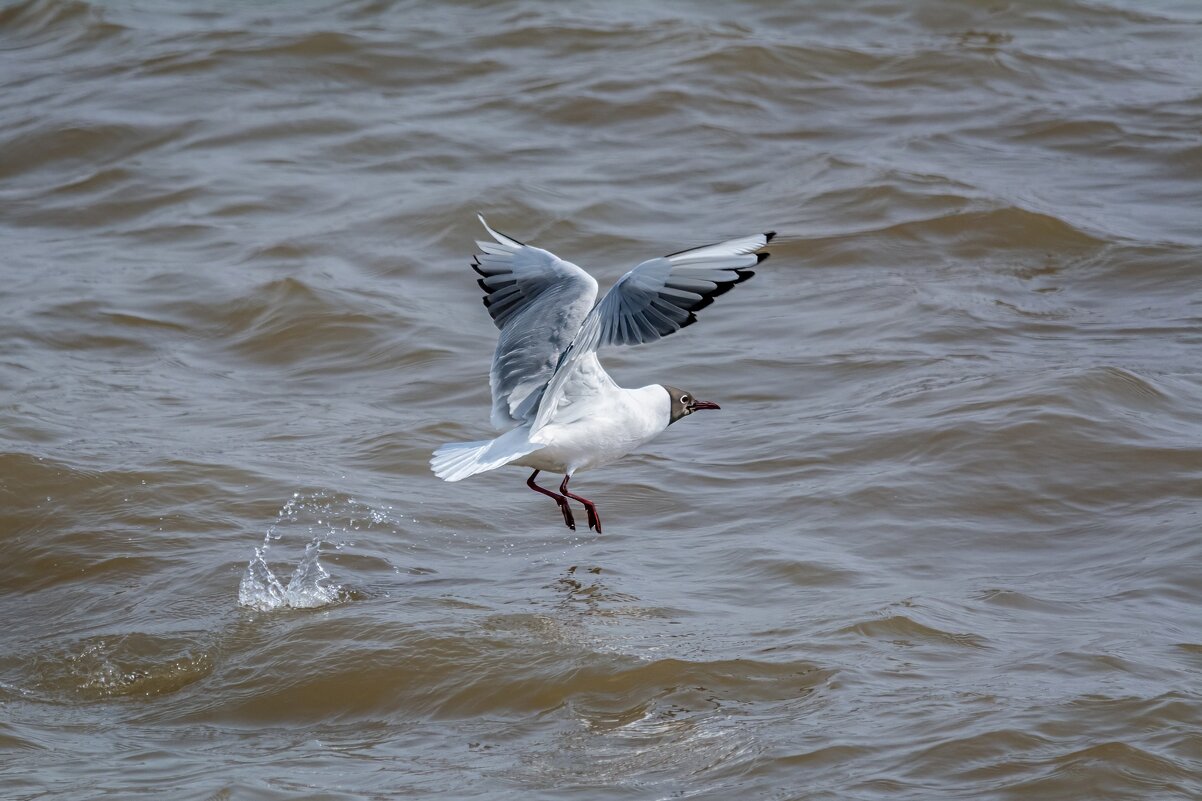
(560, 411)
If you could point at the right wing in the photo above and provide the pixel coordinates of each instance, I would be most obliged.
(538, 300)
(655, 299)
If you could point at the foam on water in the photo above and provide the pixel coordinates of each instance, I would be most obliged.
(310, 585)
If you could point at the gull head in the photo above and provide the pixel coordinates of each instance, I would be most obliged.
(684, 404)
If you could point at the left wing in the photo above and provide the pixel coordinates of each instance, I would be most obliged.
(538, 300)
(655, 299)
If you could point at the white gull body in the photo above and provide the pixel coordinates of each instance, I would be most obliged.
(562, 410)
(600, 429)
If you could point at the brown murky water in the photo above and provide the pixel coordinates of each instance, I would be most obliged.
(943, 541)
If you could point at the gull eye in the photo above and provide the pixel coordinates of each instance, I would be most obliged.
(684, 398)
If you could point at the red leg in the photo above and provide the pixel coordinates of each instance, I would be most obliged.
(559, 499)
(594, 519)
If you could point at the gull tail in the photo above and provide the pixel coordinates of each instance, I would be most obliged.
(458, 460)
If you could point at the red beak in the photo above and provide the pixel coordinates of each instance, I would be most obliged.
(699, 405)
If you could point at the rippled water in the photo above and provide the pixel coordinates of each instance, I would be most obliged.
(942, 540)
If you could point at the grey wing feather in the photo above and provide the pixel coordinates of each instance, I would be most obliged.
(662, 296)
(538, 300)
(655, 299)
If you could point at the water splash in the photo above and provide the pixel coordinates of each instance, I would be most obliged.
(310, 585)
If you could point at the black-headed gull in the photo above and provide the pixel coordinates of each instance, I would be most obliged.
(564, 412)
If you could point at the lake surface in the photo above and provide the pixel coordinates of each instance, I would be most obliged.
(942, 541)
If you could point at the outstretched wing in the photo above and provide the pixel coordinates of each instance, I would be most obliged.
(656, 298)
(538, 300)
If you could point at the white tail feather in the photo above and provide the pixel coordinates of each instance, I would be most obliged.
(458, 460)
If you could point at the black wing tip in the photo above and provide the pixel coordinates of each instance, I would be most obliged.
(507, 236)
(723, 288)
(767, 238)
(480, 215)
(480, 270)
(759, 257)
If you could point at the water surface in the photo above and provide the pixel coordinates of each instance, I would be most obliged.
(942, 541)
